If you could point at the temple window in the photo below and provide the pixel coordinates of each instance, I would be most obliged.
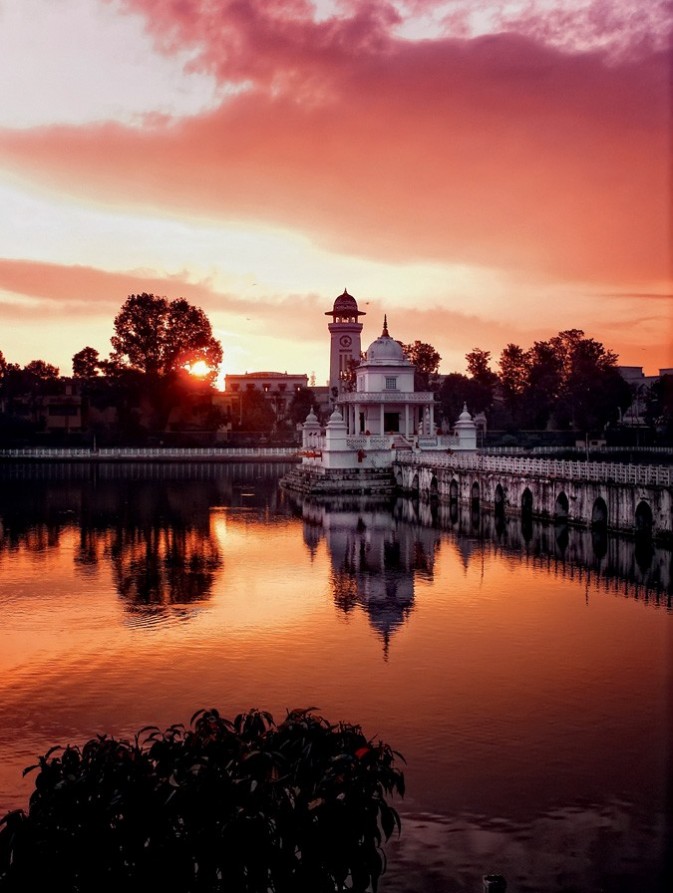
(391, 384)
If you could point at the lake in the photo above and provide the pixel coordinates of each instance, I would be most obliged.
(524, 671)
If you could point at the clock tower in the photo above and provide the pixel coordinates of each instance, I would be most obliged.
(345, 345)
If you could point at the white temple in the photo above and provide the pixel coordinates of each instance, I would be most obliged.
(383, 413)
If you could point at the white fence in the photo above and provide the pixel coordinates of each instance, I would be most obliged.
(601, 472)
(578, 450)
(203, 453)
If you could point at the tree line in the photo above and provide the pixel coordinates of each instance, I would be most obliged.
(145, 386)
(567, 382)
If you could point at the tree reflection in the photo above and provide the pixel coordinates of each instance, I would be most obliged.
(155, 534)
(163, 566)
(158, 539)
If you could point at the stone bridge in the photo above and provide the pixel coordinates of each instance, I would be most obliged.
(626, 498)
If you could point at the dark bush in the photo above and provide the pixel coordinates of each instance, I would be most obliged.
(246, 806)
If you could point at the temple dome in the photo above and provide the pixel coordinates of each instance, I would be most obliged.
(385, 351)
(345, 305)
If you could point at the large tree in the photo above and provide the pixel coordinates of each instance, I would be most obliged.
(256, 412)
(659, 407)
(569, 381)
(86, 363)
(426, 360)
(41, 370)
(303, 400)
(457, 391)
(514, 368)
(480, 372)
(156, 336)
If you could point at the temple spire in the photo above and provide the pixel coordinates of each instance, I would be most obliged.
(384, 333)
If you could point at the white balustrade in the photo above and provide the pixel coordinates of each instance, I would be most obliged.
(601, 472)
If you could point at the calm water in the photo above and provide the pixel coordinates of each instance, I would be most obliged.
(525, 673)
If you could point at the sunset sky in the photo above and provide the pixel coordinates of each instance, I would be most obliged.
(483, 172)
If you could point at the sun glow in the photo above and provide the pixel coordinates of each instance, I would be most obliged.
(200, 369)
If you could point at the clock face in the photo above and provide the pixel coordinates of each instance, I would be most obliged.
(345, 341)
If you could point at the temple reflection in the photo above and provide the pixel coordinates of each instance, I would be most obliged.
(152, 527)
(375, 558)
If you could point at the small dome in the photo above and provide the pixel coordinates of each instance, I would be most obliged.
(345, 305)
(385, 351)
(311, 417)
(465, 420)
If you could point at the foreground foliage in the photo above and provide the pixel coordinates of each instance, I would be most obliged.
(246, 806)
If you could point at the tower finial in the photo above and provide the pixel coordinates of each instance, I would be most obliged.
(384, 333)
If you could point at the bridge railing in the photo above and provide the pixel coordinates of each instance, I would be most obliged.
(578, 450)
(204, 453)
(601, 472)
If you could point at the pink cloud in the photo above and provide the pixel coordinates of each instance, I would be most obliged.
(64, 288)
(496, 151)
(84, 293)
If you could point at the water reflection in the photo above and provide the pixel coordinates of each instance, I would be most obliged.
(507, 682)
(375, 559)
(636, 564)
(150, 523)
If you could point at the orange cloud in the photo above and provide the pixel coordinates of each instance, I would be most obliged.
(495, 152)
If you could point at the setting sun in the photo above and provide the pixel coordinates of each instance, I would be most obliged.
(200, 368)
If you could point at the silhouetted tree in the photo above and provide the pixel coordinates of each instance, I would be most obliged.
(544, 384)
(86, 363)
(455, 391)
(349, 374)
(256, 412)
(426, 360)
(156, 336)
(41, 371)
(300, 405)
(569, 381)
(514, 368)
(659, 407)
(479, 370)
(156, 339)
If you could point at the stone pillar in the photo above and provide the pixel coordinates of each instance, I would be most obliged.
(406, 420)
(310, 431)
(465, 431)
(382, 429)
(336, 453)
(311, 437)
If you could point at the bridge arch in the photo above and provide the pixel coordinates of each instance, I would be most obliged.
(453, 490)
(415, 485)
(527, 502)
(434, 487)
(499, 498)
(475, 491)
(453, 511)
(561, 507)
(644, 519)
(599, 513)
